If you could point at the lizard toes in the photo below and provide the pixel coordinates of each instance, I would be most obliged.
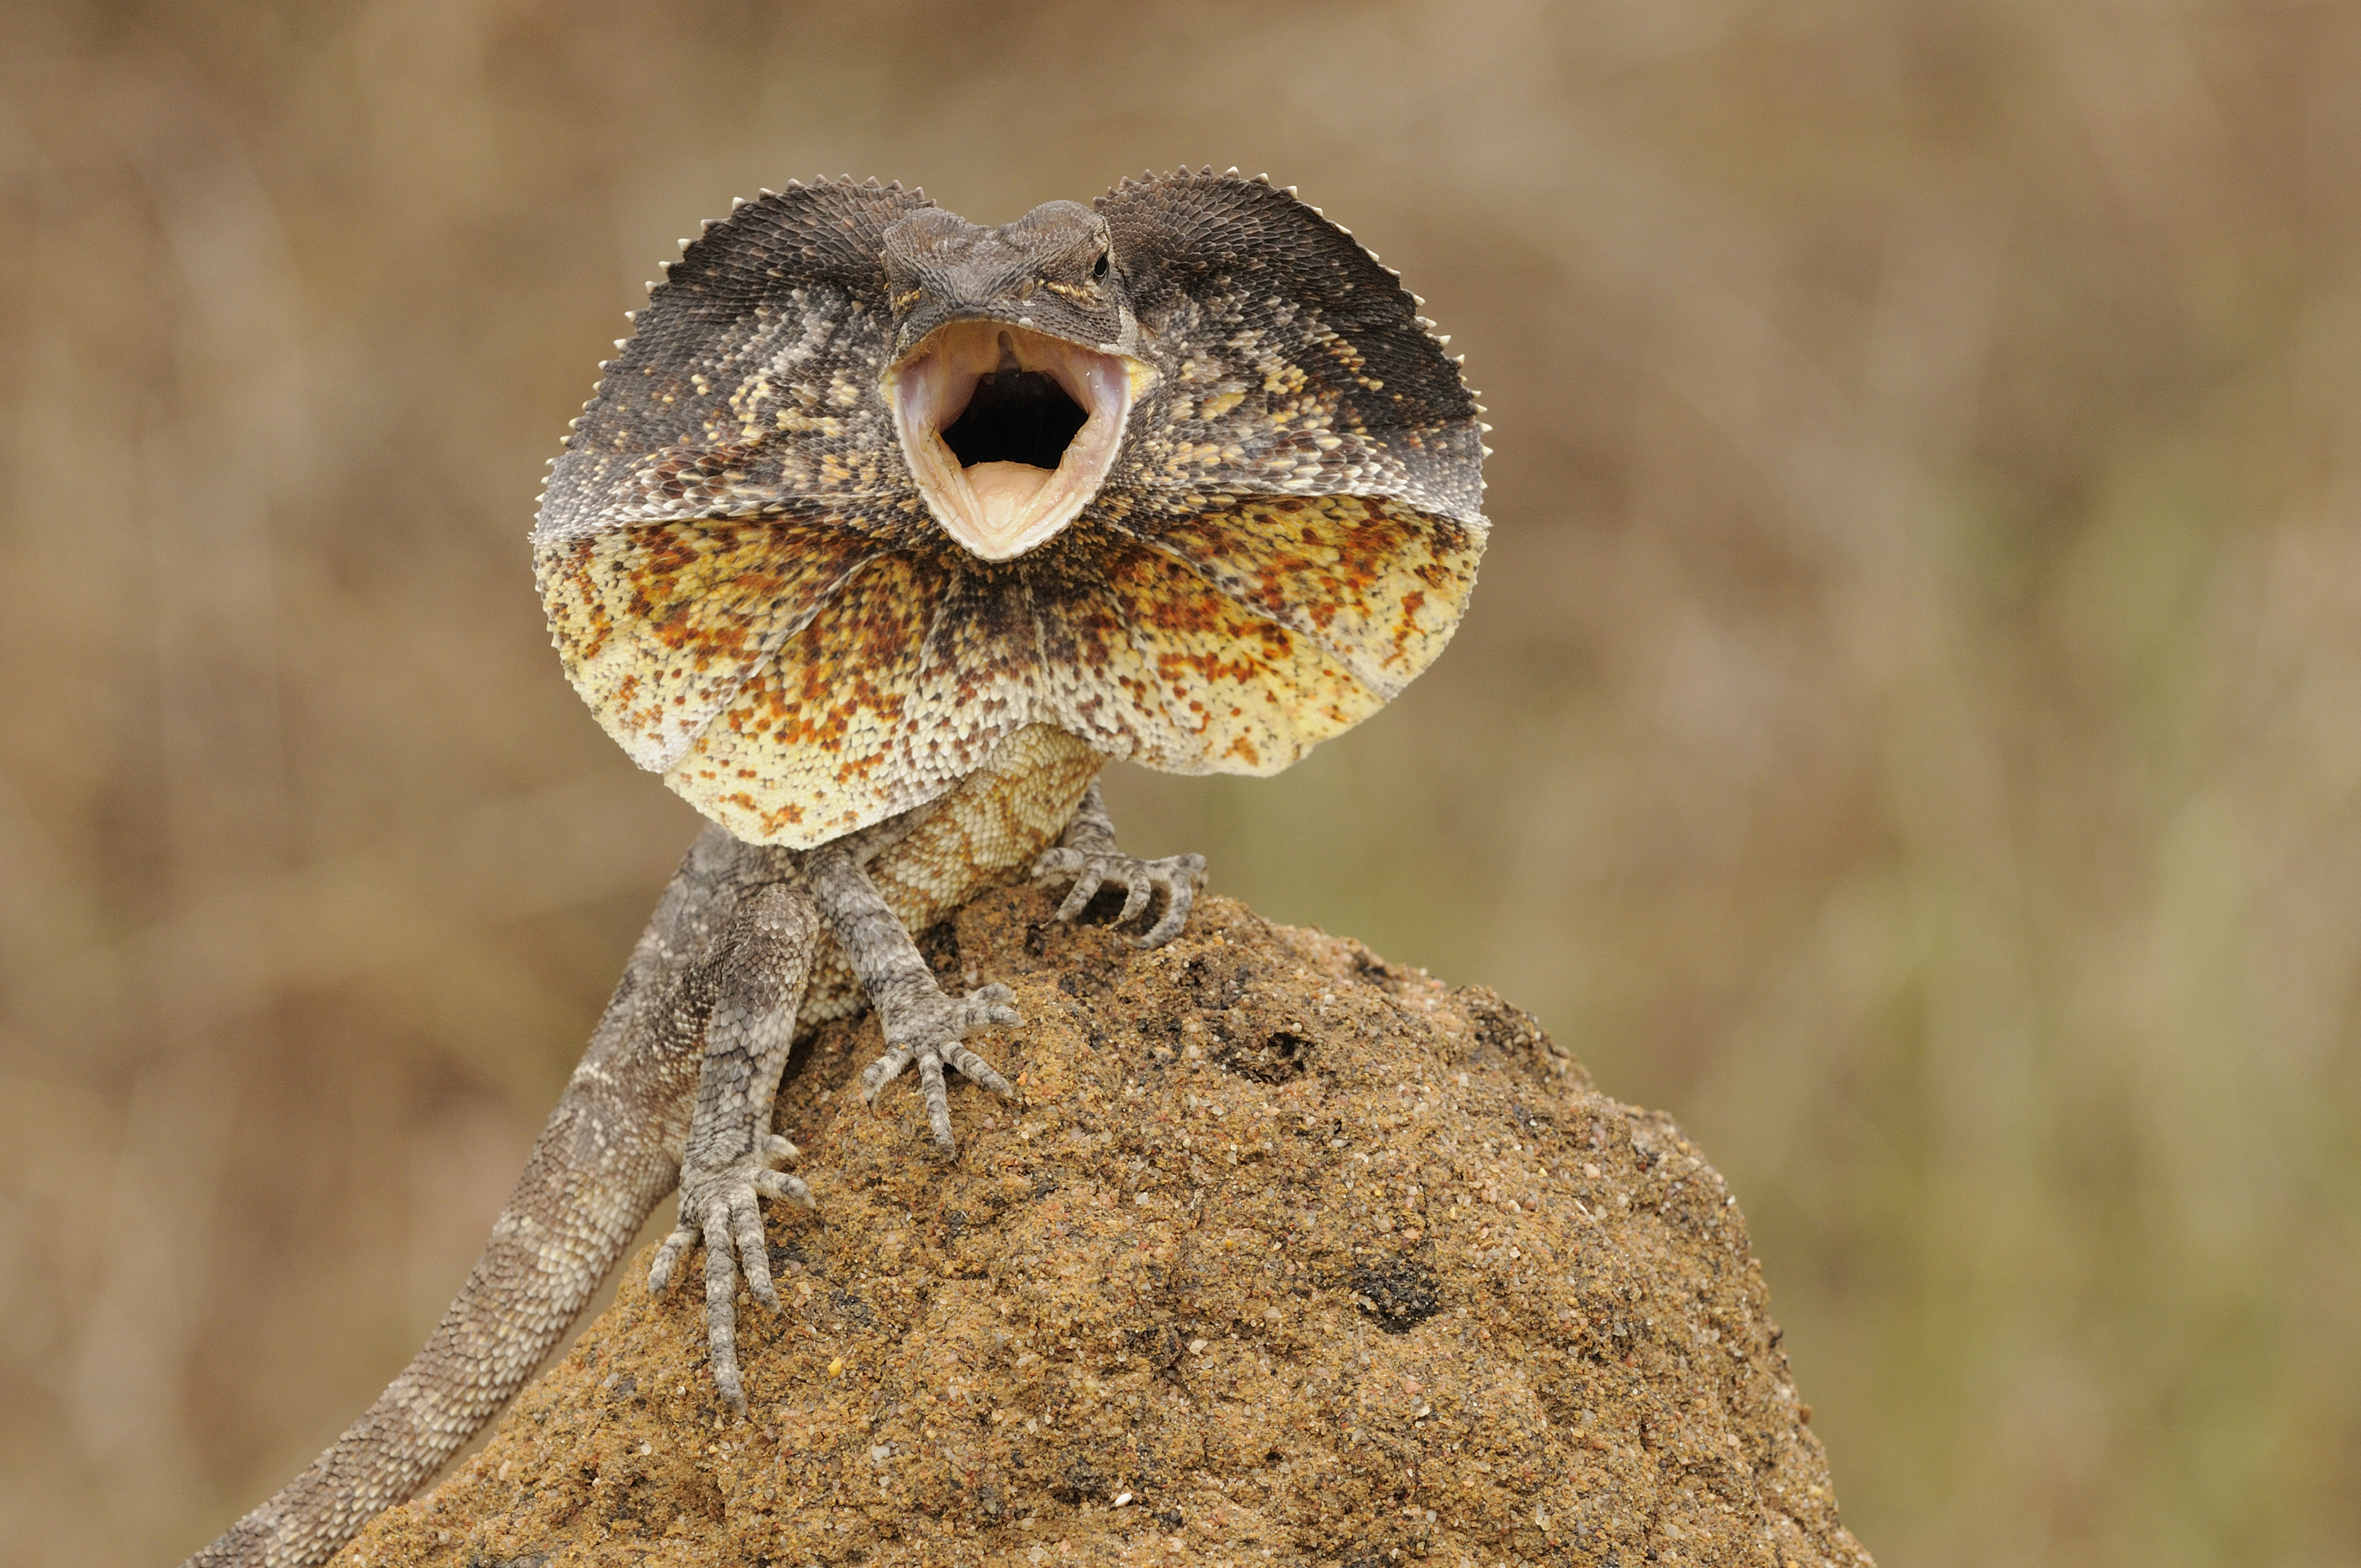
(753, 1254)
(884, 1070)
(719, 1206)
(992, 1007)
(975, 1069)
(1180, 876)
(1134, 898)
(1057, 861)
(668, 1257)
(1078, 896)
(786, 1189)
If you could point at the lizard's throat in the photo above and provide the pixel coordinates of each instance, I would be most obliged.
(1009, 432)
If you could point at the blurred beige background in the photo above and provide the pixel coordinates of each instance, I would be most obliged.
(1910, 727)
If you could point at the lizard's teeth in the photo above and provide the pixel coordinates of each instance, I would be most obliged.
(995, 508)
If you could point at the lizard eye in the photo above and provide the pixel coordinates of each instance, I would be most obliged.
(1098, 268)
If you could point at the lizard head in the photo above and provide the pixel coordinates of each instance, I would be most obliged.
(1010, 379)
(870, 488)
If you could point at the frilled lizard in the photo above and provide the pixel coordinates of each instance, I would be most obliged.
(885, 531)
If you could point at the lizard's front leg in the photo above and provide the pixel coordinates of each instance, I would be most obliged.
(920, 1022)
(748, 989)
(1087, 854)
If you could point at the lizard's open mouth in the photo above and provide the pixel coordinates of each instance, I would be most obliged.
(1009, 432)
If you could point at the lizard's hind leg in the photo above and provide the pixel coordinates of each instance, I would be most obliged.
(748, 989)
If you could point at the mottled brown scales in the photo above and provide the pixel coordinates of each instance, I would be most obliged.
(614, 1146)
(884, 533)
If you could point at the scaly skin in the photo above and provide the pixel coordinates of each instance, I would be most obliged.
(684, 1063)
(824, 552)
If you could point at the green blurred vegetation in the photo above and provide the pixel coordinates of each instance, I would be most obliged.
(1910, 727)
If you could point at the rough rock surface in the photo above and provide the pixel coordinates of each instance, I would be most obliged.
(1289, 1256)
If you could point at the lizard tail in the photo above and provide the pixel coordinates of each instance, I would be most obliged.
(591, 1180)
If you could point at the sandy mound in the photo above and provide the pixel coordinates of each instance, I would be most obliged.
(1291, 1257)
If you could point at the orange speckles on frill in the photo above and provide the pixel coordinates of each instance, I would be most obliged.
(1149, 661)
(1379, 585)
(581, 626)
(797, 680)
(659, 624)
(811, 740)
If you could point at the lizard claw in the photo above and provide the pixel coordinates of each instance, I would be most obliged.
(718, 1206)
(927, 1026)
(1178, 877)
